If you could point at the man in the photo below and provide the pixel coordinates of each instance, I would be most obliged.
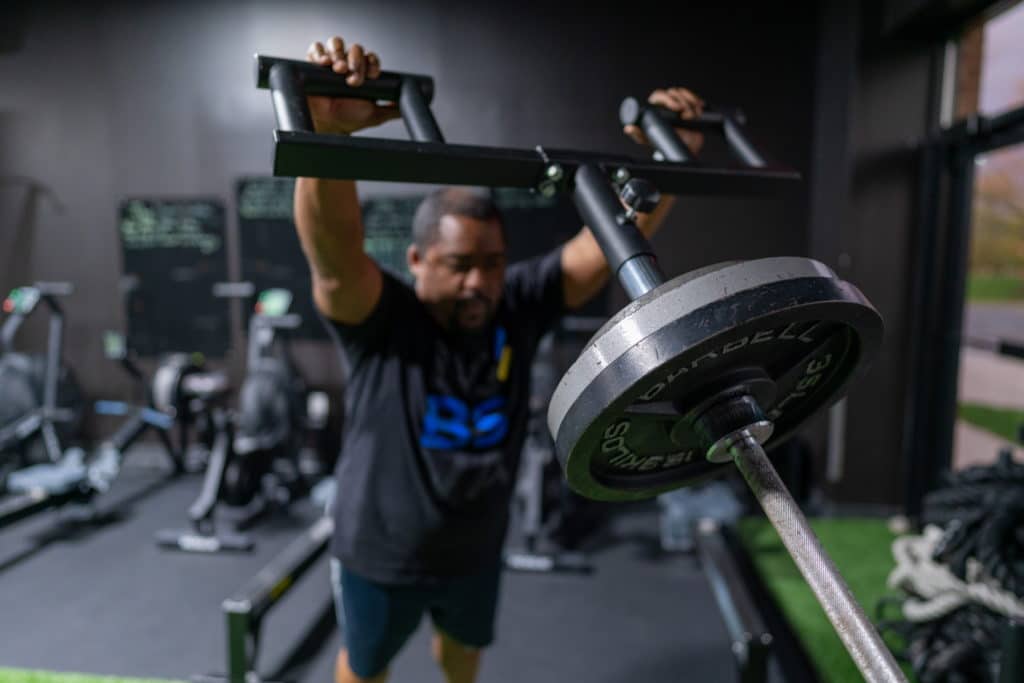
(436, 395)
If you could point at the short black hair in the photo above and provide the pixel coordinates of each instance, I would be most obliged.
(452, 201)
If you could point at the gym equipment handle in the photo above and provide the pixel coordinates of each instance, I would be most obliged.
(658, 124)
(291, 81)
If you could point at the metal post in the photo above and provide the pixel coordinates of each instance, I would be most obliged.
(658, 128)
(1011, 666)
(419, 120)
(55, 347)
(628, 253)
(289, 98)
(739, 144)
(55, 343)
(663, 136)
(241, 645)
(860, 638)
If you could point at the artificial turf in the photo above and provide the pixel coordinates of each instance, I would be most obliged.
(26, 676)
(861, 550)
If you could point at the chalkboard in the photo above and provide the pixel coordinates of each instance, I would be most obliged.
(388, 225)
(270, 250)
(273, 257)
(172, 254)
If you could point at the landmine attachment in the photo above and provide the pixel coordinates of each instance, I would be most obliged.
(694, 372)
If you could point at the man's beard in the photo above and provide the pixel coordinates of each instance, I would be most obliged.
(462, 305)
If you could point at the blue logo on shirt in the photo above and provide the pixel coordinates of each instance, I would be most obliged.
(451, 424)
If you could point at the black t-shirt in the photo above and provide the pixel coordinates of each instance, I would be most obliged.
(434, 426)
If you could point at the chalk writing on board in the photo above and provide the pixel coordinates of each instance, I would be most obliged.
(168, 225)
(388, 223)
(266, 199)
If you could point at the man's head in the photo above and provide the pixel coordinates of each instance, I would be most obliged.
(458, 257)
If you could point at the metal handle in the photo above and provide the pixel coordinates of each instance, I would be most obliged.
(291, 81)
(659, 124)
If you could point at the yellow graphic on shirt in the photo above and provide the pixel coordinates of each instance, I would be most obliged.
(504, 363)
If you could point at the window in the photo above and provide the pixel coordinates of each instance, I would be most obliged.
(990, 64)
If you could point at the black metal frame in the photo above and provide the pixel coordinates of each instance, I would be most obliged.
(595, 179)
(299, 151)
(245, 610)
(44, 418)
(947, 178)
(750, 638)
(787, 651)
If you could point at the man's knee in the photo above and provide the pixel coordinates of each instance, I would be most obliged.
(453, 655)
(343, 672)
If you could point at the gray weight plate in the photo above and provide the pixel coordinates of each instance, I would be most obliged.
(785, 330)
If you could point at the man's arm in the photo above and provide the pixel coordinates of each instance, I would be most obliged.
(346, 282)
(584, 267)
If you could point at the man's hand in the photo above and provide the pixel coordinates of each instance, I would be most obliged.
(679, 100)
(341, 114)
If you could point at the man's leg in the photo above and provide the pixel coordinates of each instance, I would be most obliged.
(459, 662)
(375, 620)
(463, 612)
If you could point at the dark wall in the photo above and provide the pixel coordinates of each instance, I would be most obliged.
(876, 101)
(108, 100)
(892, 116)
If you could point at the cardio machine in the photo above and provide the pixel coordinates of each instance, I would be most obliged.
(258, 461)
(40, 399)
(77, 477)
(543, 505)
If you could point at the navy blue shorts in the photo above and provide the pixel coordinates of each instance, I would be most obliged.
(377, 619)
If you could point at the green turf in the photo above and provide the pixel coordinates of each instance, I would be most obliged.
(995, 288)
(1005, 422)
(25, 676)
(861, 551)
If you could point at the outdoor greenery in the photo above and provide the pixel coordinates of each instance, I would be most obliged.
(997, 234)
(1004, 422)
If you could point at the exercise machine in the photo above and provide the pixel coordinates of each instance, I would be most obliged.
(540, 501)
(257, 461)
(77, 476)
(40, 400)
(139, 417)
(761, 345)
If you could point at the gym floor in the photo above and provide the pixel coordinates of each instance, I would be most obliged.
(100, 597)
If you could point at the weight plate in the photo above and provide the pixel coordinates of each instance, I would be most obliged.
(785, 330)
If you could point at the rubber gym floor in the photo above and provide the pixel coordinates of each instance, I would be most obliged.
(99, 597)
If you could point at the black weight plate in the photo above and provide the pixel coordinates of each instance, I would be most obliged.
(785, 330)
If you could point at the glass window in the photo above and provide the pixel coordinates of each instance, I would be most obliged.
(990, 64)
(991, 380)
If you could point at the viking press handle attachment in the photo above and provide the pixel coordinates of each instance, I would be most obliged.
(659, 124)
(290, 81)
